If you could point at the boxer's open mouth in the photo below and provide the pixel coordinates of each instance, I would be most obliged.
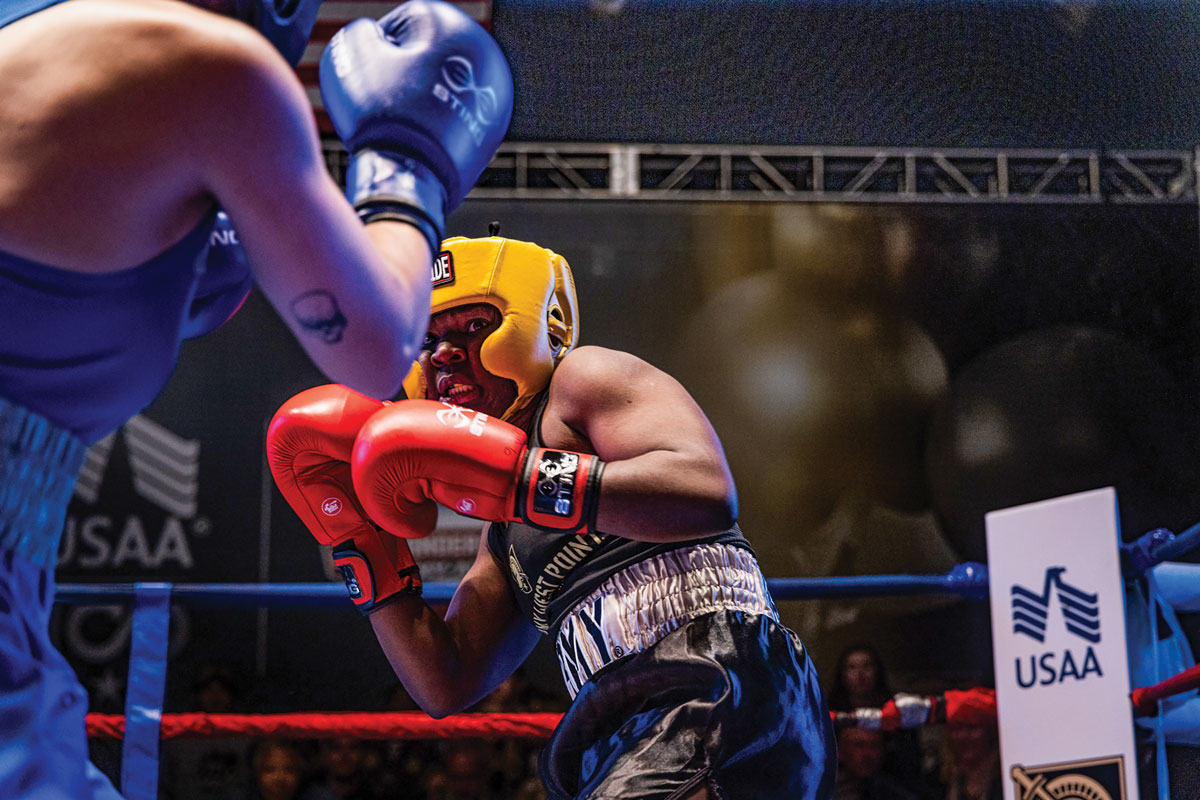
(457, 393)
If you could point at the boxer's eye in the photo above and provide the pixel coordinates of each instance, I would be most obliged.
(477, 324)
(429, 342)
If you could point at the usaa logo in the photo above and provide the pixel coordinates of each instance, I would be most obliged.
(1081, 618)
(165, 470)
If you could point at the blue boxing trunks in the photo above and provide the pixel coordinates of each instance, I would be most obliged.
(723, 699)
(43, 748)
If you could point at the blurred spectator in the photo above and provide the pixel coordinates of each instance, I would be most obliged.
(465, 772)
(970, 767)
(860, 681)
(531, 787)
(405, 762)
(346, 764)
(281, 772)
(513, 760)
(860, 768)
(208, 769)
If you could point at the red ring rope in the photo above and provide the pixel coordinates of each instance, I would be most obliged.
(364, 725)
(971, 706)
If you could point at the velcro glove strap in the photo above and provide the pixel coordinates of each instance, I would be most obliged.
(559, 490)
(377, 570)
(384, 185)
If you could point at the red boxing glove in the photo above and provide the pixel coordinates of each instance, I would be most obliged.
(309, 442)
(417, 452)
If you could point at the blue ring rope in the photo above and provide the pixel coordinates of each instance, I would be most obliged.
(967, 580)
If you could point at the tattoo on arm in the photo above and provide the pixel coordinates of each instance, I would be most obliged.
(318, 313)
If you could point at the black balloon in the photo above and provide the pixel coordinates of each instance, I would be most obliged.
(1057, 411)
(816, 394)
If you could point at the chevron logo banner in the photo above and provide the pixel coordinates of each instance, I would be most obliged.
(1080, 610)
(165, 466)
(1058, 640)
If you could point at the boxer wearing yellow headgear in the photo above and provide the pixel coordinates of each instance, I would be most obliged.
(611, 530)
(535, 293)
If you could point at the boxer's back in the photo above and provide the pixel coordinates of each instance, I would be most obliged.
(107, 119)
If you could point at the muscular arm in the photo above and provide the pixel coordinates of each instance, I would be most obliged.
(356, 299)
(665, 476)
(449, 664)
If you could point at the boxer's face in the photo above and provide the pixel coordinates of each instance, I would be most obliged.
(450, 360)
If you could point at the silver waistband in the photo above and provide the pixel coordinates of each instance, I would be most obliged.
(39, 463)
(643, 603)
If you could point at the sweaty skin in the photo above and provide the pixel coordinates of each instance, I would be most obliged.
(123, 122)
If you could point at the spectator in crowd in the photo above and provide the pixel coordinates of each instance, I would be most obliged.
(970, 768)
(404, 763)
(345, 764)
(860, 681)
(860, 768)
(466, 771)
(514, 760)
(280, 771)
(209, 769)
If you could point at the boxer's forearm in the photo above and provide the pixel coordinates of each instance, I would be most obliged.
(448, 664)
(422, 652)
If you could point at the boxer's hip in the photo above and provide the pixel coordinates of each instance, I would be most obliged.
(641, 604)
(729, 700)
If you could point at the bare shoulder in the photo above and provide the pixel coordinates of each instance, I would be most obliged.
(107, 48)
(150, 96)
(592, 379)
(591, 369)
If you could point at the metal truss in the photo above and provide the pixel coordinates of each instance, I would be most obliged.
(577, 171)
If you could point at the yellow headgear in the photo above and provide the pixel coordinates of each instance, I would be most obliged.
(535, 292)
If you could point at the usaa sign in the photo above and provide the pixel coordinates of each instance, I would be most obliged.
(1058, 643)
(1080, 611)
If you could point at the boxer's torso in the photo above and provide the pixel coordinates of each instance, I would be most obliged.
(88, 351)
(104, 223)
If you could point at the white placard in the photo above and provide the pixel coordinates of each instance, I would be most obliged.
(1058, 634)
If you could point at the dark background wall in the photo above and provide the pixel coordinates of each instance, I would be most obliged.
(1066, 73)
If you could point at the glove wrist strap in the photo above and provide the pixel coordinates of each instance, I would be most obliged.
(374, 577)
(390, 186)
(559, 490)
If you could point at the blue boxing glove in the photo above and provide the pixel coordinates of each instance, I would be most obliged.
(421, 99)
(223, 285)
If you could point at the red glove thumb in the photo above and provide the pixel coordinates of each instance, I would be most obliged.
(309, 443)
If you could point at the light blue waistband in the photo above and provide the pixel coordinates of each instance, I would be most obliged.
(39, 463)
